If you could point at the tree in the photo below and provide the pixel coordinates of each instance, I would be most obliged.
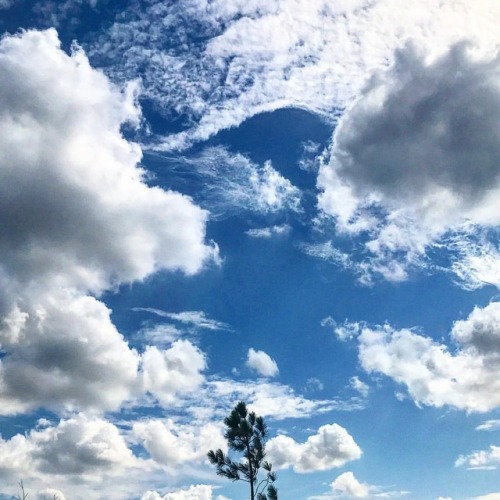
(246, 433)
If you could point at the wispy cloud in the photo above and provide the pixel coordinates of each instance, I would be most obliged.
(264, 55)
(231, 182)
(489, 425)
(268, 232)
(195, 319)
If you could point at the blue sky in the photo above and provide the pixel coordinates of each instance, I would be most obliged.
(292, 203)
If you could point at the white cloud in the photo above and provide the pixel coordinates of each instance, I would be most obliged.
(344, 331)
(81, 176)
(484, 459)
(360, 386)
(477, 261)
(489, 496)
(314, 384)
(64, 352)
(466, 379)
(172, 372)
(331, 447)
(50, 494)
(268, 232)
(77, 217)
(194, 492)
(231, 181)
(420, 145)
(269, 399)
(196, 319)
(347, 484)
(160, 334)
(263, 55)
(262, 363)
(489, 425)
(175, 445)
(85, 447)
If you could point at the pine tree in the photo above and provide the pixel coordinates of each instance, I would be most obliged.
(246, 433)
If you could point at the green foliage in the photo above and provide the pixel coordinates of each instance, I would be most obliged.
(246, 433)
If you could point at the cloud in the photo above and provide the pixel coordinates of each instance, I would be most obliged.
(176, 371)
(466, 379)
(64, 352)
(196, 319)
(269, 399)
(231, 182)
(344, 331)
(175, 445)
(359, 386)
(85, 447)
(477, 259)
(265, 55)
(489, 425)
(194, 492)
(347, 486)
(50, 494)
(484, 459)
(419, 145)
(262, 363)
(314, 384)
(77, 217)
(331, 447)
(268, 232)
(5, 4)
(79, 181)
(490, 496)
(160, 334)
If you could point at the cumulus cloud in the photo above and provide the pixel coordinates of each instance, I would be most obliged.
(331, 447)
(81, 446)
(76, 217)
(175, 445)
(177, 370)
(347, 484)
(484, 459)
(466, 379)
(420, 144)
(262, 363)
(194, 492)
(64, 351)
(78, 181)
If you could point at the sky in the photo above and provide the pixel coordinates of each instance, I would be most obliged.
(291, 203)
